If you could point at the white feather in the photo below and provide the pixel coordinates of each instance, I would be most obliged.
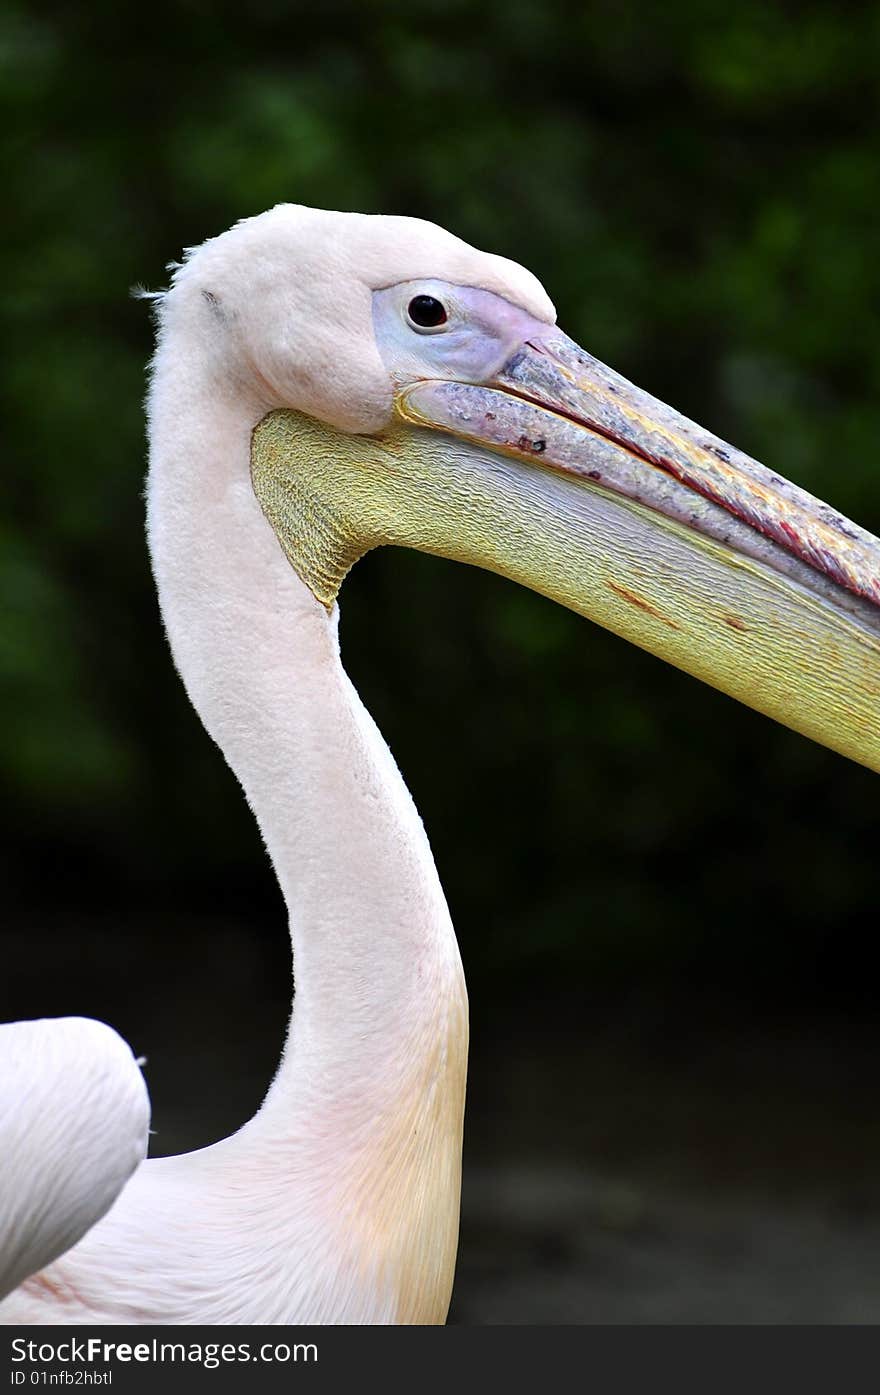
(74, 1116)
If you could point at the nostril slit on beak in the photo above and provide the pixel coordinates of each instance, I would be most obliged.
(535, 447)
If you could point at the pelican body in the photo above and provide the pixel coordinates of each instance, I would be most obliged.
(323, 384)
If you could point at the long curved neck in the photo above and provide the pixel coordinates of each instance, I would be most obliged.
(379, 988)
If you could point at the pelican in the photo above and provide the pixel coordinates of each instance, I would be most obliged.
(323, 384)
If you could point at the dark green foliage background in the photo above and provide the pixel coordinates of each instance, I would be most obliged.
(697, 185)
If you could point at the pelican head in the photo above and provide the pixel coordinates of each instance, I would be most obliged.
(415, 391)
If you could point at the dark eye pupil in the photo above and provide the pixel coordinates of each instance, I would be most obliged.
(424, 310)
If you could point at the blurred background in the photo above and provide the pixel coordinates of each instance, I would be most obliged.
(666, 904)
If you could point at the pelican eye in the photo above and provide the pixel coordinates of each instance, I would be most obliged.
(426, 314)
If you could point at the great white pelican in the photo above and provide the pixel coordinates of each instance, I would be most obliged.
(326, 383)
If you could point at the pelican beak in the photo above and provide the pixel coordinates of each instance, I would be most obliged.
(611, 503)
